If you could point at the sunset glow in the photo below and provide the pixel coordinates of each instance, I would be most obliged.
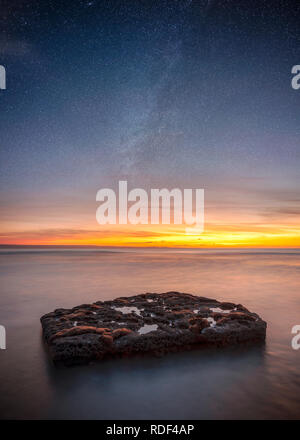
(161, 236)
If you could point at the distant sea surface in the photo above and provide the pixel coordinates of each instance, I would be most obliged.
(260, 382)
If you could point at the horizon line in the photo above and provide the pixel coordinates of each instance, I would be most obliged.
(147, 247)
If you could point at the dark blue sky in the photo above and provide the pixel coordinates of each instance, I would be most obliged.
(161, 93)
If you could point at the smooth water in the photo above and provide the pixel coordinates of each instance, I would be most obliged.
(246, 382)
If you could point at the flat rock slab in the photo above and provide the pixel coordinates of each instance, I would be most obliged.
(145, 323)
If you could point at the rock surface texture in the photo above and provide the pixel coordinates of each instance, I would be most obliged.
(151, 322)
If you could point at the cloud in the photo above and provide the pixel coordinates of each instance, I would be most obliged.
(68, 233)
(279, 212)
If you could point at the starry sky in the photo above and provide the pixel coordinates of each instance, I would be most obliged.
(168, 93)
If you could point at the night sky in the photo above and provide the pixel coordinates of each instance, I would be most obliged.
(168, 93)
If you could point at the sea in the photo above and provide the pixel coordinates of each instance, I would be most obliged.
(244, 382)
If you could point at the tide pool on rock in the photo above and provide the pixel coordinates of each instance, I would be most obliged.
(147, 323)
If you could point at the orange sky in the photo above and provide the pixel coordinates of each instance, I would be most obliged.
(232, 220)
(160, 236)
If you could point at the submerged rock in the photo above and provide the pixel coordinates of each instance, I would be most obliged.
(145, 323)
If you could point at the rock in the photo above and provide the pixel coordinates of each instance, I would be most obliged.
(120, 332)
(151, 322)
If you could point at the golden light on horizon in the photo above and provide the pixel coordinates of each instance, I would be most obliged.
(161, 236)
